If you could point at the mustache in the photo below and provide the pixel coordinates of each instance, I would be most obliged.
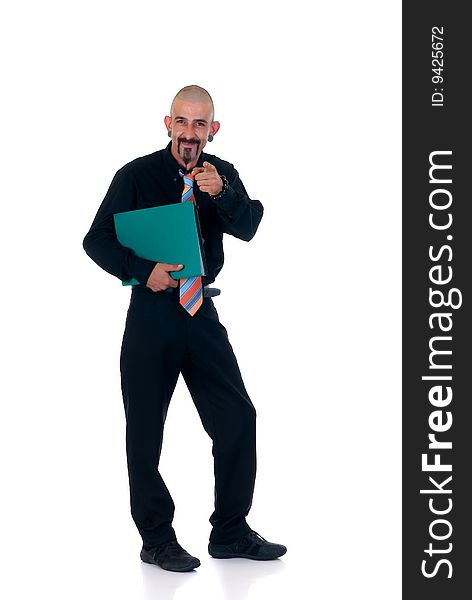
(188, 140)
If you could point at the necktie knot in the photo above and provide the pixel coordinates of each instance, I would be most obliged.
(187, 177)
(187, 194)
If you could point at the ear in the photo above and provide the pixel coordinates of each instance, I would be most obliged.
(168, 122)
(214, 127)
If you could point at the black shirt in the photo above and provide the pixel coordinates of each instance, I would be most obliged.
(154, 180)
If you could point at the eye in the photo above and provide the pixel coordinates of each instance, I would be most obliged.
(179, 121)
(201, 123)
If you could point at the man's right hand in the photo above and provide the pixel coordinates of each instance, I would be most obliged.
(159, 279)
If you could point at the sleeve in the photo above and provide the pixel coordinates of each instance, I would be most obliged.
(239, 215)
(101, 243)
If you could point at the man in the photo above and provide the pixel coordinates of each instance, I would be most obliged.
(172, 327)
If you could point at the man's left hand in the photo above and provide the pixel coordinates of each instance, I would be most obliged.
(207, 179)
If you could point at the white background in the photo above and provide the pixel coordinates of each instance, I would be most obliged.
(308, 95)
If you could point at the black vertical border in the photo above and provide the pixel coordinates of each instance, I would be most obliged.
(427, 129)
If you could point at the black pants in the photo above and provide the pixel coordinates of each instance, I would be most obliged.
(160, 341)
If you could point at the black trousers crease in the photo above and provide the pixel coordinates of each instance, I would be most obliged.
(160, 341)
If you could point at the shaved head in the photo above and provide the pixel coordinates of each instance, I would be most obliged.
(194, 93)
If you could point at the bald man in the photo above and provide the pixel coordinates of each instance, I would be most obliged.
(164, 336)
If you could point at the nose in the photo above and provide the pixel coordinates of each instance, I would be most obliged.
(190, 131)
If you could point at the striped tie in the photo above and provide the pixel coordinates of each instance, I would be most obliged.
(191, 296)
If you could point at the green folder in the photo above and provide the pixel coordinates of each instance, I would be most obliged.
(166, 234)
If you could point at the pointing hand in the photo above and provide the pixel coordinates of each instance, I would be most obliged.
(208, 179)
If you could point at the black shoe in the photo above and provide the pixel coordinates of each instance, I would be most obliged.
(170, 556)
(250, 545)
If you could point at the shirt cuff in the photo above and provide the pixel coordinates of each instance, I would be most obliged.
(230, 205)
(142, 268)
